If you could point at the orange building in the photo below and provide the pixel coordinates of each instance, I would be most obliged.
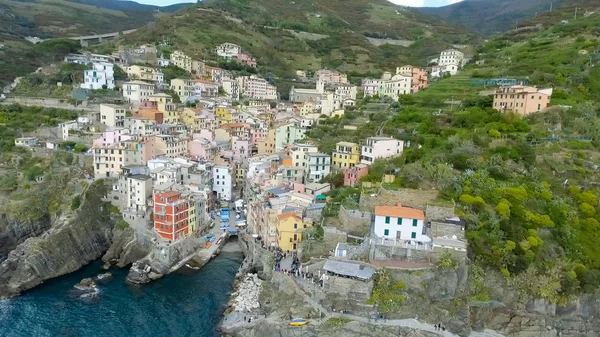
(171, 218)
(521, 99)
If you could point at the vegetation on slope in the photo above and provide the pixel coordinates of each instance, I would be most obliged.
(491, 16)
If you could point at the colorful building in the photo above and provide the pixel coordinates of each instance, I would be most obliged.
(400, 223)
(345, 155)
(521, 99)
(224, 114)
(171, 217)
(289, 231)
(352, 175)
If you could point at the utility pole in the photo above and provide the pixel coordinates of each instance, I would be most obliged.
(575, 13)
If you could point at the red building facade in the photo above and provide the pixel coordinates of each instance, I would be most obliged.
(171, 218)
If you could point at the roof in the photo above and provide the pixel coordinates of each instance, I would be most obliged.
(317, 186)
(315, 206)
(277, 190)
(349, 269)
(141, 177)
(138, 82)
(346, 144)
(169, 194)
(400, 212)
(288, 215)
(317, 154)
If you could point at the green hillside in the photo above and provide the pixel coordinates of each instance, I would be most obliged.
(491, 16)
(310, 35)
(526, 186)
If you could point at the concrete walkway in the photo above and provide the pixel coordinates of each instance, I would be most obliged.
(406, 323)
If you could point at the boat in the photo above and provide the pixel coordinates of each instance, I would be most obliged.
(298, 322)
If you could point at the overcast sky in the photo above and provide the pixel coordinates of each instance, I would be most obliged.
(412, 3)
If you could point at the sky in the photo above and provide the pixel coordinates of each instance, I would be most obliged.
(412, 3)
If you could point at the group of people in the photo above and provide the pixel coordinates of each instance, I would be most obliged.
(439, 327)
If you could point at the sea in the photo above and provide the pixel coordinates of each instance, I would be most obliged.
(185, 303)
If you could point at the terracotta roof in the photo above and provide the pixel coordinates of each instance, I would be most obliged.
(288, 215)
(400, 212)
(234, 125)
(168, 194)
(148, 113)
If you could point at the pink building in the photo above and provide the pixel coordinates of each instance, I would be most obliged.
(353, 174)
(299, 188)
(419, 77)
(204, 133)
(247, 59)
(112, 136)
(240, 148)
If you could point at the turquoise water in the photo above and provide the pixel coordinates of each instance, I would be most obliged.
(187, 303)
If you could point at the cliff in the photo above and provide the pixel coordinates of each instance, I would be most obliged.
(13, 233)
(69, 243)
(127, 247)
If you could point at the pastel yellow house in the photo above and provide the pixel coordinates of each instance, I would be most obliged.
(345, 155)
(164, 104)
(188, 117)
(224, 114)
(289, 231)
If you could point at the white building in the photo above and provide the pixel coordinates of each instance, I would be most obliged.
(135, 188)
(451, 56)
(222, 182)
(137, 91)
(163, 62)
(400, 223)
(66, 127)
(101, 76)
(112, 115)
(228, 50)
(298, 151)
(397, 85)
(371, 86)
(230, 86)
(380, 147)
(439, 71)
(318, 166)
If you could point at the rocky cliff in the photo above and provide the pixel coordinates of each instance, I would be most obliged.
(71, 242)
(127, 247)
(13, 233)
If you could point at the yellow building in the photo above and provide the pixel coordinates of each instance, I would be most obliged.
(224, 114)
(188, 117)
(345, 155)
(289, 231)
(181, 60)
(266, 145)
(164, 104)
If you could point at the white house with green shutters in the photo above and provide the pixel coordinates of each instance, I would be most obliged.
(400, 223)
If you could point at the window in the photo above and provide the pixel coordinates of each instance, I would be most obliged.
(295, 226)
(399, 221)
(387, 219)
(415, 222)
(413, 235)
(386, 232)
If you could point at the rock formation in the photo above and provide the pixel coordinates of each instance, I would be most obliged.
(245, 299)
(69, 244)
(127, 247)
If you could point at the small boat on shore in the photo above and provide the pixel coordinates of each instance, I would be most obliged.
(298, 322)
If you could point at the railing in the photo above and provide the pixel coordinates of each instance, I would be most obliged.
(402, 243)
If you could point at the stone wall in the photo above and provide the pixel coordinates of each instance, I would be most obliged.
(332, 236)
(60, 103)
(441, 229)
(355, 222)
(433, 212)
(400, 253)
(344, 292)
(408, 197)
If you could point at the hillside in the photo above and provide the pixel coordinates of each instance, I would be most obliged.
(306, 34)
(491, 16)
(61, 18)
(525, 185)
